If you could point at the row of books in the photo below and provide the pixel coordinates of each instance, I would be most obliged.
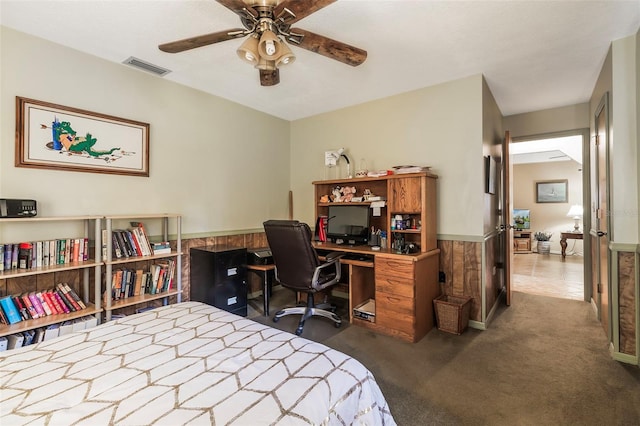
(132, 242)
(37, 335)
(135, 282)
(27, 255)
(37, 304)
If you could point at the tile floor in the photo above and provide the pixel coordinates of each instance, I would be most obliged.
(549, 275)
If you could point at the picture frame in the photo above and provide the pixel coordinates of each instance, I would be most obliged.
(552, 191)
(56, 137)
(490, 175)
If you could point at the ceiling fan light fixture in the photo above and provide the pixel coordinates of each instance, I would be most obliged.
(270, 45)
(248, 51)
(266, 64)
(286, 55)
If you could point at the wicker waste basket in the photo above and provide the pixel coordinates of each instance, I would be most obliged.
(452, 313)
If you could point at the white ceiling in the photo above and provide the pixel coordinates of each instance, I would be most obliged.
(564, 148)
(534, 54)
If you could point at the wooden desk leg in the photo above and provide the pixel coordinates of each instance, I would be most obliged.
(563, 244)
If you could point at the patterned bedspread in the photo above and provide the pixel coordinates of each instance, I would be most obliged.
(188, 363)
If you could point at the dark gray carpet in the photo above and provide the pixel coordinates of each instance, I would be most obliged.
(543, 361)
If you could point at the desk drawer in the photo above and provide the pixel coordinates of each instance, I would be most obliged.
(394, 267)
(392, 304)
(395, 285)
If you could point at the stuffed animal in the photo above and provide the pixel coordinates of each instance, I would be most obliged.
(324, 198)
(348, 193)
(336, 194)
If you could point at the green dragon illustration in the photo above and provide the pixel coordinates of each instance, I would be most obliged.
(64, 135)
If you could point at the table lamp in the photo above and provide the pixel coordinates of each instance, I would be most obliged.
(576, 212)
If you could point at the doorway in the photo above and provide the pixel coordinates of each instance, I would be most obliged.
(555, 161)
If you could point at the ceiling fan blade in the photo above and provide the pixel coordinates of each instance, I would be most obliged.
(269, 78)
(333, 49)
(201, 40)
(301, 9)
(235, 6)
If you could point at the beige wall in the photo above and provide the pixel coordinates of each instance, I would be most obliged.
(548, 217)
(625, 114)
(438, 126)
(492, 138)
(206, 162)
(552, 120)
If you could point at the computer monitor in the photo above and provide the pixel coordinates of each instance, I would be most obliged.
(348, 224)
(521, 219)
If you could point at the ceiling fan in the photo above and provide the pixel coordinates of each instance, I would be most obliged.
(267, 23)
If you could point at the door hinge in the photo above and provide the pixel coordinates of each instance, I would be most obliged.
(599, 288)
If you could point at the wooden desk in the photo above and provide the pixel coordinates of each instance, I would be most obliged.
(403, 286)
(564, 236)
(265, 271)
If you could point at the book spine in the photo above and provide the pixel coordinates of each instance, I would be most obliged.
(85, 250)
(3, 317)
(14, 256)
(75, 257)
(47, 298)
(61, 246)
(66, 294)
(45, 253)
(52, 296)
(74, 295)
(61, 297)
(10, 310)
(36, 304)
(27, 302)
(43, 302)
(7, 256)
(39, 254)
(124, 244)
(136, 243)
(67, 251)
(24, 313)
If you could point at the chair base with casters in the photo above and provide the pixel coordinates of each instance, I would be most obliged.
(307, 312)
(298, 268)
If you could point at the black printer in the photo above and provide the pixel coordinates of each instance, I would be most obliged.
(259, 256)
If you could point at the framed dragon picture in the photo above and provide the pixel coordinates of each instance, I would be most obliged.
(50, 136)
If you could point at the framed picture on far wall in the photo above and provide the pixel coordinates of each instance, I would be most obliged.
(552, 191)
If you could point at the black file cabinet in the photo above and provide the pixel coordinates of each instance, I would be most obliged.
(219, 277)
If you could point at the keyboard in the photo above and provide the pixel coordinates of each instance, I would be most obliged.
(358, 256)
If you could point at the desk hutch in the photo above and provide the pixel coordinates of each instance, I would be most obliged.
(402, 285)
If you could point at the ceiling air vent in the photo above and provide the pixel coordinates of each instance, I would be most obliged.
(146, 66)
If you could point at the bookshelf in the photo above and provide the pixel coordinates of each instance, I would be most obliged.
(39, 278)
(112, 224)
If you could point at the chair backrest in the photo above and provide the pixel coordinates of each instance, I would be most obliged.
(294, 256)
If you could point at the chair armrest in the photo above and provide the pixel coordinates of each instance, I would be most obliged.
(333, 262)
(333, 255)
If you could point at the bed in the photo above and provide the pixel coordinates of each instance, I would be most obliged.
(188, 363)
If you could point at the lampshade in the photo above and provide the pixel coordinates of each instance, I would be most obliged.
(286, 55)
(575, 211)
(248, 51)
(265, 64)
(269, 46)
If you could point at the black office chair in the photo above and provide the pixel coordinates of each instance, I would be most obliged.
(298, 268)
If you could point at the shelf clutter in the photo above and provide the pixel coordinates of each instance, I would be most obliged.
(83, 268)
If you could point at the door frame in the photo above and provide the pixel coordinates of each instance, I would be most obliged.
(586, 194)
(611, 329)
